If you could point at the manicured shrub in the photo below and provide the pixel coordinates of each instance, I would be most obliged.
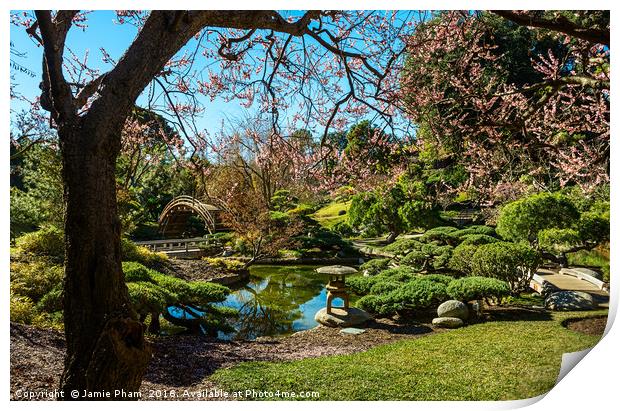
(403, 246)
(377, 304)
(390, 297)
(207, 292)
(21, 309)
(362, 285)
(416, 260)
(375, 266)
(401, 274)
(478, 239)
(476, 229)
(147, 297)
(477, 288)
(514, 263)
(442, 235)
(558, 240)
(438, 278)
(156, 292)
(418, 294)
(142, 255)
(385, 287)
(135, 272)
(429, 257)
(521, 220)
(47, 242)
(343, 229)
(35, 279)
(461, 259)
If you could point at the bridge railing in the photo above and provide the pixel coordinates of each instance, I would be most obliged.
(174, 244)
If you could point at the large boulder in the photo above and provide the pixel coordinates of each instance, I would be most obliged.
(569, 301)
(453, 308)
(341, 318)
(447, 322)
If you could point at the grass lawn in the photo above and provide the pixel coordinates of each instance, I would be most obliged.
(329, 216)
(500, 360)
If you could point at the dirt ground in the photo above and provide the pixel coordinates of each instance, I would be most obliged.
(186, 362)
(590, 326)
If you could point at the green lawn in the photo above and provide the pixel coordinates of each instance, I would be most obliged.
(329, 216)
(499, 360)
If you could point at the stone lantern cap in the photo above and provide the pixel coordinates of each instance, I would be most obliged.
(336, 270)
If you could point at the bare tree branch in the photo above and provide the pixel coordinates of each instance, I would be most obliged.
(558, 23)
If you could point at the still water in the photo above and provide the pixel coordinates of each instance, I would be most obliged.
(278, 300)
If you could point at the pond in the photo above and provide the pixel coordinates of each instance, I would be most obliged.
(278, 300)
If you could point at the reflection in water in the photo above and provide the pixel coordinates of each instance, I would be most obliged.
(277, 300)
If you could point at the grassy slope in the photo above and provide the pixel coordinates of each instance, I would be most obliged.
(490, 361)
(599, 257)
(328, 215)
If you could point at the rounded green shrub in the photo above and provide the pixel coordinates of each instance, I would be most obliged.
(477, 239)
(403, 246)
(135, 272)
(558, 240)
(400, 274)
(477, 288)
(514, 263)
(418, 294)
(35, 279)
(439, 278)
(21, 309)
(384, 287)
(147, 297)
(142, 255)
(521, 220)
(377, 304)
(207, 292)
(47, 242)
(476, 229)
(461, 259)
(431, 256)
(416, 260)
(362, 285)
(441, 235)
(343, 229)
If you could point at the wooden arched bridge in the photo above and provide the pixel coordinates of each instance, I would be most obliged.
(174, 224)
(173, 220)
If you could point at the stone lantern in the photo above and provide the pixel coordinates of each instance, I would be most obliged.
(344, 316)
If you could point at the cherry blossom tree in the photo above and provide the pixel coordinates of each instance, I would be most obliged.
(549, 126)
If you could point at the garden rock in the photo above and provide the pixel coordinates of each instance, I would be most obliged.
(587, 271)
(569, 301)
(453, 308)
(341, 318)
(448, 322)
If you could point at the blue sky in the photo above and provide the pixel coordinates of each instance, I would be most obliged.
(102, 32)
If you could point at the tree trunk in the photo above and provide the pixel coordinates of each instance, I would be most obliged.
(154, 326)
(391, 237)
(105, 342)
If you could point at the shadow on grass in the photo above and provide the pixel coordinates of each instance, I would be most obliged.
(515, 314)
(404, 327)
